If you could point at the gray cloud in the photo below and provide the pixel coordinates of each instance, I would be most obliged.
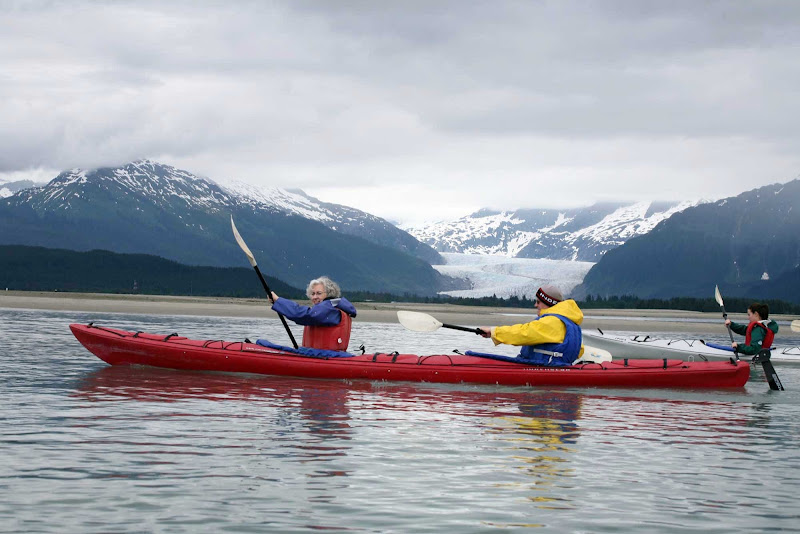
(446, 106)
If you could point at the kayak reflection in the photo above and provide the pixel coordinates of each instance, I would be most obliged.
(527, 443)
(322, 399)
(321, 402)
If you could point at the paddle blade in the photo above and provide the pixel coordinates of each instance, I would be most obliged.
(769, 371)
(717, 296)
(418, 322)
(795, 326)
(593, 355)
(772, 377)
(242, 244)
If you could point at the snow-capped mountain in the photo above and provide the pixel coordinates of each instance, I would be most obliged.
(164, 184)
(150, 208)
(335, 216)
(748, 245)
(8, 188)
(581, 234)
(144, 182)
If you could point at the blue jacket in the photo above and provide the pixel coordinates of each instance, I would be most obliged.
(326, 313)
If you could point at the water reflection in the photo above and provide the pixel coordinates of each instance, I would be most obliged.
(89, 447)
(540, 428)
(320, 408)
(543, 438)
(533, 445)
(322, 403)
(538, 432)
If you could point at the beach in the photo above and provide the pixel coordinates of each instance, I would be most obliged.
(647, 321)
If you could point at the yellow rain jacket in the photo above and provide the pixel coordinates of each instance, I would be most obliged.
(544, 330)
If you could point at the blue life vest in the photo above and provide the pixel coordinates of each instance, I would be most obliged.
(569, 349)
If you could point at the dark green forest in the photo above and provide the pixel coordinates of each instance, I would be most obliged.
(98, 271)
(624, 302)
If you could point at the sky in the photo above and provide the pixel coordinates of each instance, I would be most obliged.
(411, 110)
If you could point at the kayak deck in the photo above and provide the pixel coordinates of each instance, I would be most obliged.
(650, 347)
(121, 347)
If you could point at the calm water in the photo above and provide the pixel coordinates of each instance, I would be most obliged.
(90, 448)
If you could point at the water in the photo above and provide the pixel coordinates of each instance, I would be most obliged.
(90, 448)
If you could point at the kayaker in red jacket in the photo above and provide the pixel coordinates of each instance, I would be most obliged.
(758, 332)
(553, 338)
(327, 322)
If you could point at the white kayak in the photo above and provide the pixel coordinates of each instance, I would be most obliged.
(647, 347)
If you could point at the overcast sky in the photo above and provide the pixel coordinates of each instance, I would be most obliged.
(412, 110)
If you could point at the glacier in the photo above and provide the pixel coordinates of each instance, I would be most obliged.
(505, 277)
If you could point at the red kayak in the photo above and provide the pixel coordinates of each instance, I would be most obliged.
(120, 347)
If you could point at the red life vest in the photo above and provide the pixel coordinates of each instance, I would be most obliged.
(329, 337)
(768, 337)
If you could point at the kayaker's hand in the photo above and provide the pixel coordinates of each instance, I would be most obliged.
(274, 296)
(486, 331)
(735, 345)
(727, 322)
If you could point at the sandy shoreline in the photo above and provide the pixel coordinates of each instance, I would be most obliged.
(647, 321)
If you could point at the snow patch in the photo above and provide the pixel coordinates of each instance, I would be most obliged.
(280, 199)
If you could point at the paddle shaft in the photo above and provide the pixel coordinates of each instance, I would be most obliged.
(463, 329)
(252, 260)
(724, 318)
(269, 295)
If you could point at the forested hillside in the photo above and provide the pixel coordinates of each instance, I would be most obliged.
(745, 244)
(41, 269)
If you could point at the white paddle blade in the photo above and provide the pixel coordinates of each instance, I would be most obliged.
(242, 244)
(717, 296)
(593, 355)
(795, 326)
(418, 322)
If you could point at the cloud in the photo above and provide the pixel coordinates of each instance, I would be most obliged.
(414, 109)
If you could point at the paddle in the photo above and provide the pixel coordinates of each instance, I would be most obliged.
(422, 322)
(252, 259)
(769, 370)
(718, 297)
(795, 326)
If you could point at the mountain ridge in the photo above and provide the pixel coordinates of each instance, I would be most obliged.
(146, 207)
(578, 234)
(742, 243)
(337, 217)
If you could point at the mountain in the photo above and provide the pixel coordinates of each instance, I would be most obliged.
(336, 217)
(149, 208)
(737, 243)
(9, 188)
(785, 286)
(580, 234)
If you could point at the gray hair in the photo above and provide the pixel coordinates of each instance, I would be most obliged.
(332, 290)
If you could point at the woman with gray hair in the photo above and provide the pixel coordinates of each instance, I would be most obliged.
(327, 321)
